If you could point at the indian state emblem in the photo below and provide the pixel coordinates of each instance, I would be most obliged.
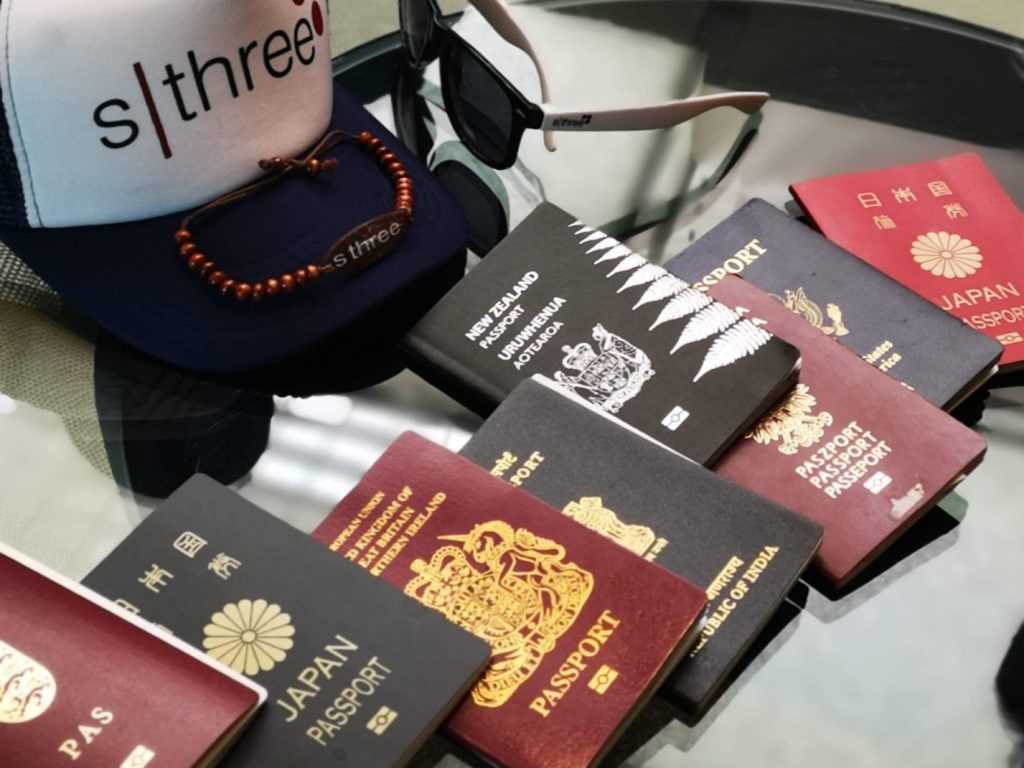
(27, 688)
(792, 424)
(608, 377)
(798, 302)
(591, 512)
(510, 588)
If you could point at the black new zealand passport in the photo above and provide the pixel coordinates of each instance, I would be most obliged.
(890, 326)
(560, 299)
(745, 550)
(358, 674)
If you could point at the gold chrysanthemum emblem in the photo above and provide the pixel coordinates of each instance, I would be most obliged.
(250, 636)
(946, 255)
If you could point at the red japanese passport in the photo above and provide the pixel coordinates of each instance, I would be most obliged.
(581, 629)
(945, 229)
(849, 447)
(83, 683)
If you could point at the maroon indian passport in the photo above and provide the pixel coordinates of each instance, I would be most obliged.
(849, 447)
(582, 629)
(83, 683)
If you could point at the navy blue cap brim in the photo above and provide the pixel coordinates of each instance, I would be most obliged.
(129, 278)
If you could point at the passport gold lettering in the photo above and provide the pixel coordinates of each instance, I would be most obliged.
(974, 296)
(843, 460)
(724, 577)
(577, 661)
(760, 564)
(734, 265)
(87, 733)
(307, 682)
(529, 467)
(349, 701)
(503, 464)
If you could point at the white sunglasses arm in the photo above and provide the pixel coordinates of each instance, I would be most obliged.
(666, 115)
(496, 13)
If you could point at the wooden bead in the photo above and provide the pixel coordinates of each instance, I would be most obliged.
(216, 278)
(301, 277)
(182, 236)
(257, 292)
(395, 167)
(387, 158)
(273, 287)
(187, 249)
(207, 268)
(196, 261)
(227, 286)
(243, 291)
(313, 166)
(287, 283)
(313, 271)
(364, 137)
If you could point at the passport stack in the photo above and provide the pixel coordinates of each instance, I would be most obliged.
(558, 298)
(847, 299)
(582, 630)
(746, 551)
(849, 447)
(359, 675)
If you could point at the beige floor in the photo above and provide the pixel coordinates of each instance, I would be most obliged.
(357, 21)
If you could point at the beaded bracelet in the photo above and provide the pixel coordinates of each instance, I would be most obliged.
(357, 249)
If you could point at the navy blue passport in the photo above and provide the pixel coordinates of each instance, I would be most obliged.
(561, 299)
(888, 325)
(746, 551)
(358, 674)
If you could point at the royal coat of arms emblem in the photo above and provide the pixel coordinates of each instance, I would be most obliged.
(609, 377)
(510, 588)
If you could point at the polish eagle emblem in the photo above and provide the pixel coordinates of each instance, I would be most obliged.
(792, 424)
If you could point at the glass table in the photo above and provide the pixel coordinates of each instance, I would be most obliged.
(898, 670)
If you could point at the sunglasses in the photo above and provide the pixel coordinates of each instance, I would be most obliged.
(490, 115)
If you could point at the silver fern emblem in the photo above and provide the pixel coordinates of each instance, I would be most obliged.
(608, 242)
(615, 253)
(648, 273)
(739, 341)
(714, 318)
(633, 261)
(688, 301)
(661, 289)
(595, 234)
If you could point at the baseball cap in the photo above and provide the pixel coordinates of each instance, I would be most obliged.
(120, 118)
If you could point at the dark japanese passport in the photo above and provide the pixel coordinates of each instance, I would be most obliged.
(358, 674)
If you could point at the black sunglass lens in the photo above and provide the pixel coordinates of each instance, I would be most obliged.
(417, 20)
(482, 108)
(488, 224)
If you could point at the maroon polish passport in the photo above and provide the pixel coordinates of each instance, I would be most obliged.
(849, 447)
(83, 683)
(581, 629)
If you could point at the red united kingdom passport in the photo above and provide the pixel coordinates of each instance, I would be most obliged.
(581, 629)
(945, 229)
(850, 447)
(85, 684)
